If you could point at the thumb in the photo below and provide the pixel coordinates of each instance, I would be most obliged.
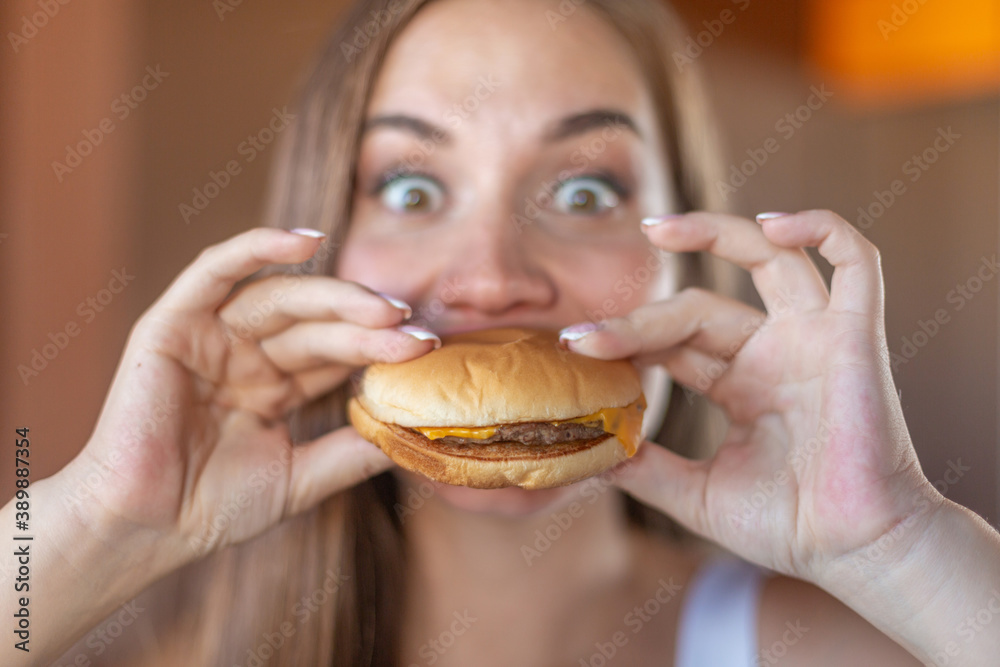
(668, 482)
(330, 464)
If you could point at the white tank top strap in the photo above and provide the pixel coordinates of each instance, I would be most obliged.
(718, 621)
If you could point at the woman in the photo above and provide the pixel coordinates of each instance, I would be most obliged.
(478, 163)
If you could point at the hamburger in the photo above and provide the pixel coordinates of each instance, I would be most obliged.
(502, 407)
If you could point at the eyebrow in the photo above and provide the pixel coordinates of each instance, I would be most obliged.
(570, 126)
(399, 121)
(580, 123)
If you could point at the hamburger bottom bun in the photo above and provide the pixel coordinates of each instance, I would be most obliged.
(489, 466)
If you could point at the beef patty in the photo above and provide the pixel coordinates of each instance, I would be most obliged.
(532, 433)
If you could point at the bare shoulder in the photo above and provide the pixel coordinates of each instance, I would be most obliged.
(801, 624)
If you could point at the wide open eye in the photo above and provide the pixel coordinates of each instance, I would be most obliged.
(586, 195)
(412, 193)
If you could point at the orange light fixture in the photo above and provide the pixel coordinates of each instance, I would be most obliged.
(892, 52)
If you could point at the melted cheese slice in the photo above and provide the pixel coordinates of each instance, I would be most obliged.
(434, 432)
(624, 423)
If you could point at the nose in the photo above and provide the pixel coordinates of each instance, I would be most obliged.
(494, 269)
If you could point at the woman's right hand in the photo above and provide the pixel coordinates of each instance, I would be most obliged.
(192, 445)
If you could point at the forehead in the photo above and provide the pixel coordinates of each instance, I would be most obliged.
(521, 61)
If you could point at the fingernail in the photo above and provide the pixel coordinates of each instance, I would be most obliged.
(761, 217)
(657, 219)
(311, 233)
(398, 303)
(421, 334)
(577, 331)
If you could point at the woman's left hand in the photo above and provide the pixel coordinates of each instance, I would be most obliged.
(817, 464)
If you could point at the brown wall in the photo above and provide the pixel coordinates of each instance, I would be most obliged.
(62, 239)
(933, 237)
(120, 208)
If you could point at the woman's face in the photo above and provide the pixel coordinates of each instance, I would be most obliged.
(509, 154)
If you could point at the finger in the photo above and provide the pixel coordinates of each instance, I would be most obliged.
(310, 345)
(330, 464)
(668, 482)
(211, 276)
(708, 375)
(695, 369)
(786, 278)
(701, 319)
(273, 304)
(857, 268)
(318, 381)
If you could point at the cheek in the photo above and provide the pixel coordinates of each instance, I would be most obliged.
(400, 266)
(360, 262)
(384, 267)
(607, 283)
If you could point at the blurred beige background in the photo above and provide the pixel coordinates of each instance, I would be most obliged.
(110, 229)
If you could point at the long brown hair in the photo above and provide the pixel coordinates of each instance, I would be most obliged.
(245, 605)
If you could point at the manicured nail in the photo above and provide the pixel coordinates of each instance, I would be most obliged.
(398, 303)
(761, 217)
(421, 334)
(657, 219)
(311, 233)
(577, 331)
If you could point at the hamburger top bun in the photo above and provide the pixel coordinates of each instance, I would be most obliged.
(496, 376)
